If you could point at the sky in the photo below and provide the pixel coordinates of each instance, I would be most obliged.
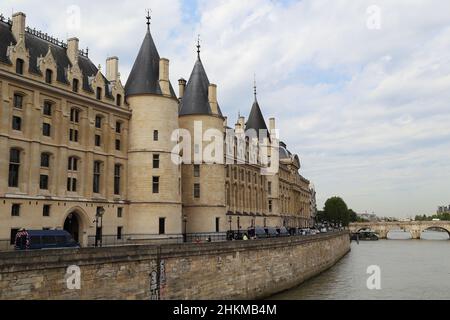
(360, 89)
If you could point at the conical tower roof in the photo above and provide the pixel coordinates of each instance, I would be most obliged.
(144, 77)
(195, 99)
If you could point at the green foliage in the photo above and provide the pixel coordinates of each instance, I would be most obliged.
(440, 216)
(336, 211)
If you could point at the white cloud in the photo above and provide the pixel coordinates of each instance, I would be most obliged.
(367, 110)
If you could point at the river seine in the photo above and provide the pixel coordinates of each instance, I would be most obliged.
(411, 269)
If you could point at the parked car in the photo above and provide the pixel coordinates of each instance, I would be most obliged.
(271, 232)
(257, 233)
(44, 239)
(283, 232)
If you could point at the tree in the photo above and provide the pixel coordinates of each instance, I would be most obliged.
(353, 216)
(336, 211)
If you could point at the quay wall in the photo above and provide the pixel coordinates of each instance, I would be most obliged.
(226, 270)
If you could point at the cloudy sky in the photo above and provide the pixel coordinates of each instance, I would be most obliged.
(361, 89)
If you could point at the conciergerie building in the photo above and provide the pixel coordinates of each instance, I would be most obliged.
(81, 152)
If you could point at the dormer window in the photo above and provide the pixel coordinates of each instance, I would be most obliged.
(75, 85)
(19, 66)
(48, 76)
(99, 93)
(119, 100)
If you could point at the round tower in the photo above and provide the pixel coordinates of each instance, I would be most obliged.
(154, 188)
(203, 178)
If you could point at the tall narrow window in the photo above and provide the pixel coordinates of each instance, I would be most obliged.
(156, 161)
(119, 233)
(17, 123)
(99, 93)
(155, 185)
(75, 85)
(196, 170)
(117, 169)
(74, 115)
(46, 129)
(18, 101)
(43, 182)
(197, 190)
(15, 210)
(119, 212)
(269, 187)
(118, 146)
(98, 122)
(45, 160)
(162, 225)
(270, 205)
(72, 164)
(155, 135)
(96, 183)
(217, 224)
(119, 100)
(48, 76)
(19, 66)
(98, 140)
(72, 184)
(73, 135)
(118, 127)
(47, 109)
(14, 166)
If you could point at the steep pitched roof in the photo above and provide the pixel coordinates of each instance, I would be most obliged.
(195, 99)
(144, 77)
(256, 119)
(39, 47)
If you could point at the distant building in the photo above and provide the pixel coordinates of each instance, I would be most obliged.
(443, 209)
(368, 217)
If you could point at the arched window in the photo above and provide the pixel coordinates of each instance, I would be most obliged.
(19, 66)
(14, 168)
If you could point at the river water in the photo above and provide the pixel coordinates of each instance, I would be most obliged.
(410, 269)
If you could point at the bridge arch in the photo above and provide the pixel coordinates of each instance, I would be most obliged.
(437, 228)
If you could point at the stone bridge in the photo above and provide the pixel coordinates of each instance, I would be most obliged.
(414, 227)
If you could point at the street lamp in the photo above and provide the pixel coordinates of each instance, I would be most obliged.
(185, 228)
(99, 225)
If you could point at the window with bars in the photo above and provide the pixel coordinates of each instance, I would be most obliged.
(156, 161)
(18, 101)
(155, 185)
(197, 190)
(117, 172)
(45, 160)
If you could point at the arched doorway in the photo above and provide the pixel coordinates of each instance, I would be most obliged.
(72, 226)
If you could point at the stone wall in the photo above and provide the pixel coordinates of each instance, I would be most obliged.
(229, 270)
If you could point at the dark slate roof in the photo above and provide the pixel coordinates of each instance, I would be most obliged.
(256, 119)
(6, 38)
(144, 77)
(39, 47)
(195, 99)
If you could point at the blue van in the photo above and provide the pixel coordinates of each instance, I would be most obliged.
(45, 239)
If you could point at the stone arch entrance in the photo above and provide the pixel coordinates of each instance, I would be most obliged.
(76, 223)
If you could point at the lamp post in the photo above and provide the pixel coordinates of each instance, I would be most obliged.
(185, 228)
(98, 226)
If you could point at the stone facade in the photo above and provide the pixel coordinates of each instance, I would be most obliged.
(75, 142)
(228, 270)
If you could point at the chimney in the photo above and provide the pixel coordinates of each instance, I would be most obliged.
(212, 96)
(112, 69)
(272, 124)
(72, 50)
(181, 87)
(164, 76)
(18, 25)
